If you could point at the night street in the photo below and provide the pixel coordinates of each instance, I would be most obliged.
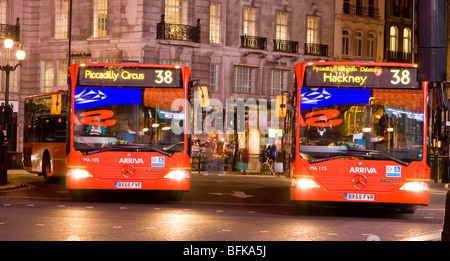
(218, 208)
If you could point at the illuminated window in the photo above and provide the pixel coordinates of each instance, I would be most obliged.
(62, 72)
(174, 12)
(312, 30)
(281, 26)
(100, 18)
(393, 35)
(61, 19)
(407, 40)
(49, 75)
(249, 24)
(3, 11)
(214, 23)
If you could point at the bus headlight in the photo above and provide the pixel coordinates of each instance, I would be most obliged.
(416, 186)
(304, 183)
(178, 174)
(78, 174)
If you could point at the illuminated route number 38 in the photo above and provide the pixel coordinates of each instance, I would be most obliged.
(400, 76)
(163, 76)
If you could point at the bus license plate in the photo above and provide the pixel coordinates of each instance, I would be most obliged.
(357, 196)
(132, 185)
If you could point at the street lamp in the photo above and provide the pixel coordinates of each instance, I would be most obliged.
(20, 55)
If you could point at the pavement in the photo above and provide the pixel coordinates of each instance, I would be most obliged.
(13, 184)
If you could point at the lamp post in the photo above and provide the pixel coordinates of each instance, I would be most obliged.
(20, 54)
(8, 68)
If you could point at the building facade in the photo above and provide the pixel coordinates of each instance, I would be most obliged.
(359, 30)
(240, 49)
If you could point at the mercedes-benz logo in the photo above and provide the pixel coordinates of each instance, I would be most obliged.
(359, 181)
(128, 171)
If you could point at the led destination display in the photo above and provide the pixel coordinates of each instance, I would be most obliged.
(361, 76)
(130, 76)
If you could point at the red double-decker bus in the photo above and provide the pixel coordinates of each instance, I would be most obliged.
(127, 129)
(359, 133)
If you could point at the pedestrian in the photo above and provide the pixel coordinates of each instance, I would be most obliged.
(208, 158)
(2, 135)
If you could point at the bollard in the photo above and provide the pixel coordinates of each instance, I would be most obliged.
(446, 228)
(3, 164)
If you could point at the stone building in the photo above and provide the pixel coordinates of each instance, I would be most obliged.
(359, 30)
(240, 49)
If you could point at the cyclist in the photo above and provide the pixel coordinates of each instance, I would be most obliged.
(271, 152)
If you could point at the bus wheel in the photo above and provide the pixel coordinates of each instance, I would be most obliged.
(408, 209)
(46, 167)
(175, 195)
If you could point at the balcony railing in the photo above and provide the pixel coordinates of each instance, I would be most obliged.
(316, 49)
(399, 57)
(285, 46)
(10, 31)
(365, 11)
(253, 42)
(181, 32)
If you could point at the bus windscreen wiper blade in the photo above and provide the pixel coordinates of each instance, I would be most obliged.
(337, 157)
(105, 149)
(125, 147)
(376, 152)
(152, 149)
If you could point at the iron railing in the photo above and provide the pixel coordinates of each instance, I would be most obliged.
(316, 49)
(253, 42)
(180, 32)
(365, 11)
(400, 57)
(10, 31)
(285, 46)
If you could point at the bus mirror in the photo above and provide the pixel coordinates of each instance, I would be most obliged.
(281, 106)
(56, 104)
(203, 96)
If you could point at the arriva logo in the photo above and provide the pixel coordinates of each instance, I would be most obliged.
(363, 170)
(131, 161)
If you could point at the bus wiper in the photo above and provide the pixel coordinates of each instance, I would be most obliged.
(376, 152)
(140, 146)
(105, 149)
(125, 147)
(337, 157)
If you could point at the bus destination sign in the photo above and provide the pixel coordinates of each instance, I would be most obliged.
(361, 76)
(130, 76)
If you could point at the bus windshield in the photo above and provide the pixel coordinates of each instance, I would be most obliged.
(130, 119)
(379, 124)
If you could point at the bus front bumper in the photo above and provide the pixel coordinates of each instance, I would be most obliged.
(317, 194)
(110, 184)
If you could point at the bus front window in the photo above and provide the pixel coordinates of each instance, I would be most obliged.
(127, 119)
(339, 122)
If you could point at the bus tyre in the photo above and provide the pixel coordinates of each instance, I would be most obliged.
(175, 195)
(408, 209)
(46, 167)
(308, 207)
(77, 194)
